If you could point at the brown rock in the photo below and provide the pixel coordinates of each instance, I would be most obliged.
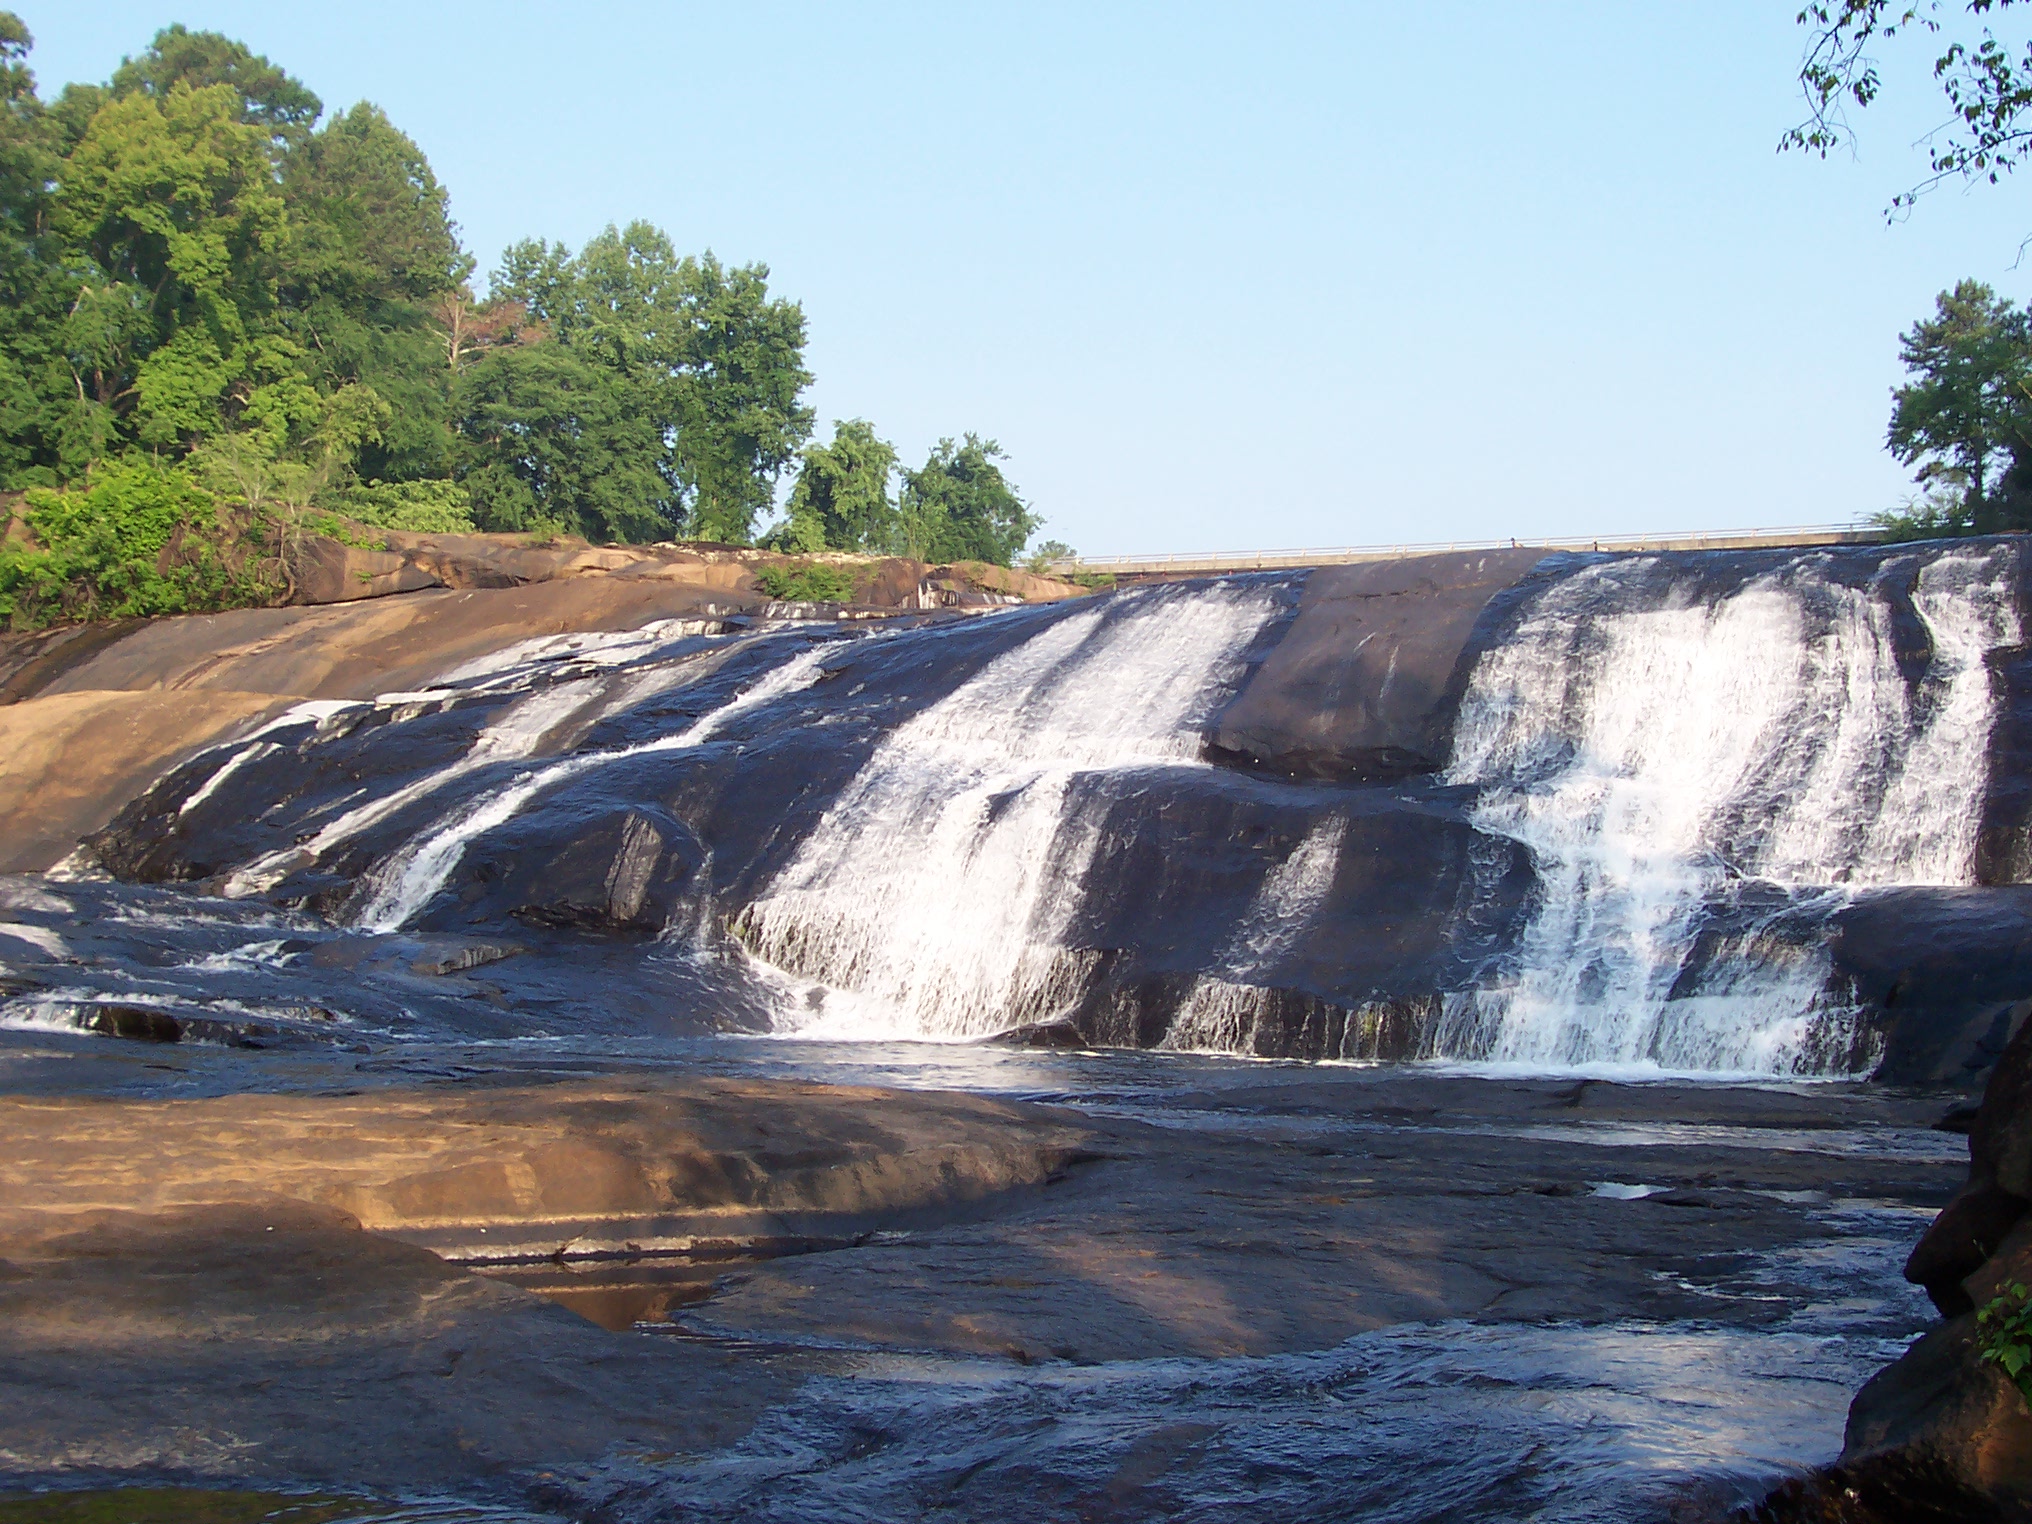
(70, 760)
(1940, 1402)
(579, 1167)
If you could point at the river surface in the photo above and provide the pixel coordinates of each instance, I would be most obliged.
(1559, 1418)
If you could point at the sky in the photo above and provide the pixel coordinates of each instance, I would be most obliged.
(1228, 277)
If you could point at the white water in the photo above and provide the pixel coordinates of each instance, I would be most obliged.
(936, 893)
(1650, 753)
(404, 883)
(1222, 1010)
(518, 733)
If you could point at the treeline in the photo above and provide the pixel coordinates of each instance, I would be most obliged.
(224, 314)
(1964, 419)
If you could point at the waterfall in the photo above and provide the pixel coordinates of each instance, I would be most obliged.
(1655, 750)
(1222, 1010)
(935, 894)
(518, 733)
(402, 885)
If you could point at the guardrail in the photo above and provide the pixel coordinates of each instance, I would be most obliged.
(1269, 560)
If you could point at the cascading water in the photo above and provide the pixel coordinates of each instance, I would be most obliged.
(1655, 750)
(403, 884)
(935, 893)
(1667, 775)
(1222, 1010)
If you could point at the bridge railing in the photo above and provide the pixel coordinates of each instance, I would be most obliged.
(1266, 560)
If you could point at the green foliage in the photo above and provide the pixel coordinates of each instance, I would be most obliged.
(1940, 513)
(1988, 87)
(841, 498)
(959, 507)
(667, 387)
(141, 538)
(267, 97)
(2006, 1325)
(807, 584)
(373, 254)
(1041, 556)
(550, 439)
(428, 507)
(1965, 418)
(216, 300)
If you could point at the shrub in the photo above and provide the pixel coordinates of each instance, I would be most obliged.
(139, 538)
(2007, 1336)
(807, 584)
(427, 507)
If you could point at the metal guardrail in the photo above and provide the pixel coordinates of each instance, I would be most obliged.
(1267, 560)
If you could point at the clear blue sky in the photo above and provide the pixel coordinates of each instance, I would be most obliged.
(1226, 276)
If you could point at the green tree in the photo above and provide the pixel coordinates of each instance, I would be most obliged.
(704, 371)
(373, 253)
(38, 282)
(550, 440)
(958, 506)
(738, 419)
(841, 499)
(268, 97)
(176, 206)
(1968, 408)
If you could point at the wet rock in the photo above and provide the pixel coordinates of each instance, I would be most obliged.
(575, 1168)
(457, 957)
(136, 1023)
(1040, 1034)
(1961, 1239)
(1365, 683)
(1945, 974)
(1940, 1404)
(1891, 1489)
(1957, 1119)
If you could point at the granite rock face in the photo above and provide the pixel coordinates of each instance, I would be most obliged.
(1364, 684)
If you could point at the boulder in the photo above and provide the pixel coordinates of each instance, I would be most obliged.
(1940, 1404)
(1364, 685)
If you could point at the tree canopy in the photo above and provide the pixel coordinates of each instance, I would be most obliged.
(958, 506)
(212, 292)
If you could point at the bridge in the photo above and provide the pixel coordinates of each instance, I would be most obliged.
(1803, 536)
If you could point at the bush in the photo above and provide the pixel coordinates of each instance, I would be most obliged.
(807, 584)
(427, 507)
(139, 538)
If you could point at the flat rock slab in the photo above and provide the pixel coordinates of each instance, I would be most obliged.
(280, 1343)
(612, 1166)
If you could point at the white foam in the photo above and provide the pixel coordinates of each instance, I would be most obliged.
(939, 888)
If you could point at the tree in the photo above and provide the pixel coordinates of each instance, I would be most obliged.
(174, 202)
(373, 255)
(550, 439)
(959, 507)
(268, 97)
(738, 419)
(841, 499)
(700, 360)
(1968, 408)
(1988, 84)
